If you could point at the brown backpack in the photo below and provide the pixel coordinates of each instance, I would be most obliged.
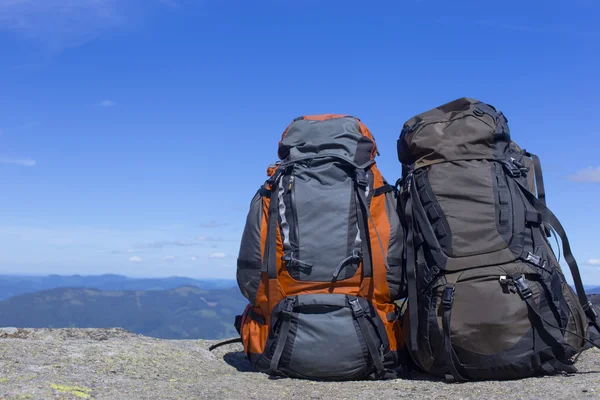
(486, 296)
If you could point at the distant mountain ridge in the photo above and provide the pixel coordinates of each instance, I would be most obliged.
(13, 285)
(186, 312)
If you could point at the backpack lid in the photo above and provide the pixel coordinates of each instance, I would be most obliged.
(463, 129)
(328, 135)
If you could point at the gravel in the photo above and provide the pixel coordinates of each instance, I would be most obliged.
(116, 364)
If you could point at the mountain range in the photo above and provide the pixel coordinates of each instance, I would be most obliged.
(169, 308)
(186, 312)
(12, 285)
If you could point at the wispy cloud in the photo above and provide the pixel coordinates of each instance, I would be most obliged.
(169, 259)
(107, 103)
(135, 259)
(217, 255)
(59, 24)
(590, 175)
(163, 244)
(24, 162)
(193, 258)
(593, 261)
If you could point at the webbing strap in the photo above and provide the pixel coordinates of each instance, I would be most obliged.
(383, 189)
(533, 307)
(286, 317)
(447, 300)
(549, 217)
(359, 314)
(539, 179)
(410, 268)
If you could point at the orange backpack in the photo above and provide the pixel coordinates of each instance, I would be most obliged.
(321, 258)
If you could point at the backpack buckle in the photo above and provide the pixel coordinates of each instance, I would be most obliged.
(288, 308)
(448, 297)
(357, 309)
(534, 259)
(361, 178)
(590, 311)
(522, 287)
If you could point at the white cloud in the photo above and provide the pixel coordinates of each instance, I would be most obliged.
(217, 255)
(193, 258)
(107, 103)
(169, 259)
(593, 261)
(135, 259)
(25, 162)
(591, 174)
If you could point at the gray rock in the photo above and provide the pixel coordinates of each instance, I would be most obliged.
(116, 364)
(8, 331)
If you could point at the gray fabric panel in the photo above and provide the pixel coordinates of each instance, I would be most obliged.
(337, 300)
(464, 190)
(338, 137)
(323, 229)
(327, 345)
(395, 248)
(249, 255)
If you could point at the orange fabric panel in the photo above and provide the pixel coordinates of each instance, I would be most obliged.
(323, 117)
(292, 287)
(254, 335)
(393, 329)
(367, 133)
(275, 291)
(382, 227)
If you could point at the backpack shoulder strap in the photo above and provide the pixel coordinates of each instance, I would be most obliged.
(539, 179)
(549, 217)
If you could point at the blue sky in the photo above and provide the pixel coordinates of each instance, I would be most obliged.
(133, 133)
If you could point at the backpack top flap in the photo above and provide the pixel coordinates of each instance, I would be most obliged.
(328, 135)
(463, 129)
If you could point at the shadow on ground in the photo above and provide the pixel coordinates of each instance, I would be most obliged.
(238, 360)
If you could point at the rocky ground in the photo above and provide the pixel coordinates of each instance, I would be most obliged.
(115, 364)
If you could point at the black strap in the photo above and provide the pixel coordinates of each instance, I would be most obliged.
(539, 178)
(264, 192)
(383, 189)
(359, 314)
(285, 316)
(447, 300)
(527, 296)
(254, 315)
(410, 267)
(230, 341)
(549, 217)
